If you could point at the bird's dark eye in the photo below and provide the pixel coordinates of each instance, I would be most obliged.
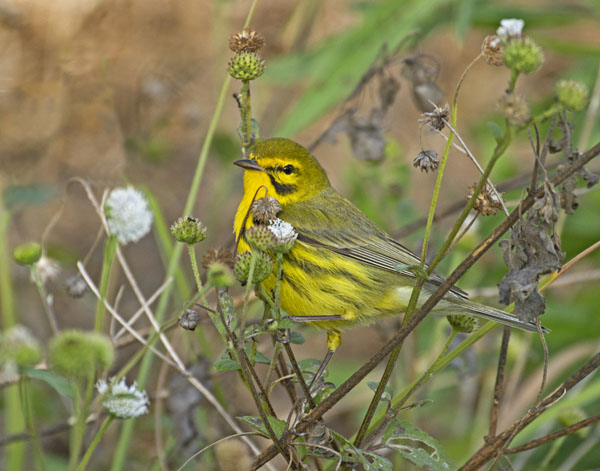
(288, 169)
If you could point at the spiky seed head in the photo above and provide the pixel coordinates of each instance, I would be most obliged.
(246, 66)
(188, 230)
(523, 55)
(426, 160)
(189, 319)
(122, 401)
(265, 209)
(218, 255)
(260, 237)
(262, 268)
(76, 353)
(571, 94)
(219, 275)
(492, 49)
(514, 108)
(246, 40)
(464, 324)
(486, 202)
(28, 253)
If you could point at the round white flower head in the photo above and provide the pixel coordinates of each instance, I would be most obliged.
(284, 234)
(128, 215)
(122, 401)
(510, 28)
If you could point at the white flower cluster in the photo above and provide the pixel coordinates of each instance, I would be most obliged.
(123, 402)
(282, 230)
(510, 28)
(128, 215)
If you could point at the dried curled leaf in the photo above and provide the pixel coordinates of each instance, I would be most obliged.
(533, 249)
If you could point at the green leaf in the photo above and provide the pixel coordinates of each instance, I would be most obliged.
(226, 364)
(18, 196)
(370, 461)
(464, 17)
(61, 385)
(258, 357)
(406, 439)
(278, 426)
(297, 338)
(287, 323)
(495, 130)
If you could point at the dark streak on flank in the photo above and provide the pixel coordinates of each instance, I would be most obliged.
(301, 290)
(281, 188)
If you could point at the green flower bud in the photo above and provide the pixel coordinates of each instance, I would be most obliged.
(246, 66)
(220, 276)
(76, 354)
(260, 237)
(188, 230)
(19, 347)
(464, 324)
(571, 94)
(27, 254)
(514, 108)
(262, 268)
(570, 416)
(523, 55)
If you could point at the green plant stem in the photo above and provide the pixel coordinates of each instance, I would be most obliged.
(556, 444)
(78, 429)
(194, 264)
(439, 363)
(110, 249)
(44, 297)
(272, 365)
(146, 365)
(14, 421)
(247, 292)
(94, 444)
(38, 453)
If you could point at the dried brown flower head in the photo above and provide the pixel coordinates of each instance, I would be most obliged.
(514, 108)
(218, 255)
(486, 203)
(189, 319)
(427, 160)
(492, 49)
(247, 40)
(435, 119)
(265, 209)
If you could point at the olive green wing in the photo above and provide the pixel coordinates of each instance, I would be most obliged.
(332, 222)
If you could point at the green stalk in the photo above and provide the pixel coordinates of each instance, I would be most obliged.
(194, 263)
(110, 249)
(247, 296)
(146, 365)
(14, 421)
(78, 429)
(94, 444)
(38, 453)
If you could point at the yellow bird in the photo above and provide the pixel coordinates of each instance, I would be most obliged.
(343, 269)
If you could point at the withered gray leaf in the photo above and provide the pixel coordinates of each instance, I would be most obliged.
(533, 249)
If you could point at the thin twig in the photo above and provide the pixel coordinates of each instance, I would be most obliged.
(499, 386)
(554, 435)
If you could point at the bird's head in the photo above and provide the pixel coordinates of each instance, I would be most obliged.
(285, 168)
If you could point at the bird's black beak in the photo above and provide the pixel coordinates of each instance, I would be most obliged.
(248, 164)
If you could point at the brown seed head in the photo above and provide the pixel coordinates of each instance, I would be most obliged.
(492, 49)
(436, 118)
(247, 40)
(265, 209)
(427, 160)
(486, 203)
